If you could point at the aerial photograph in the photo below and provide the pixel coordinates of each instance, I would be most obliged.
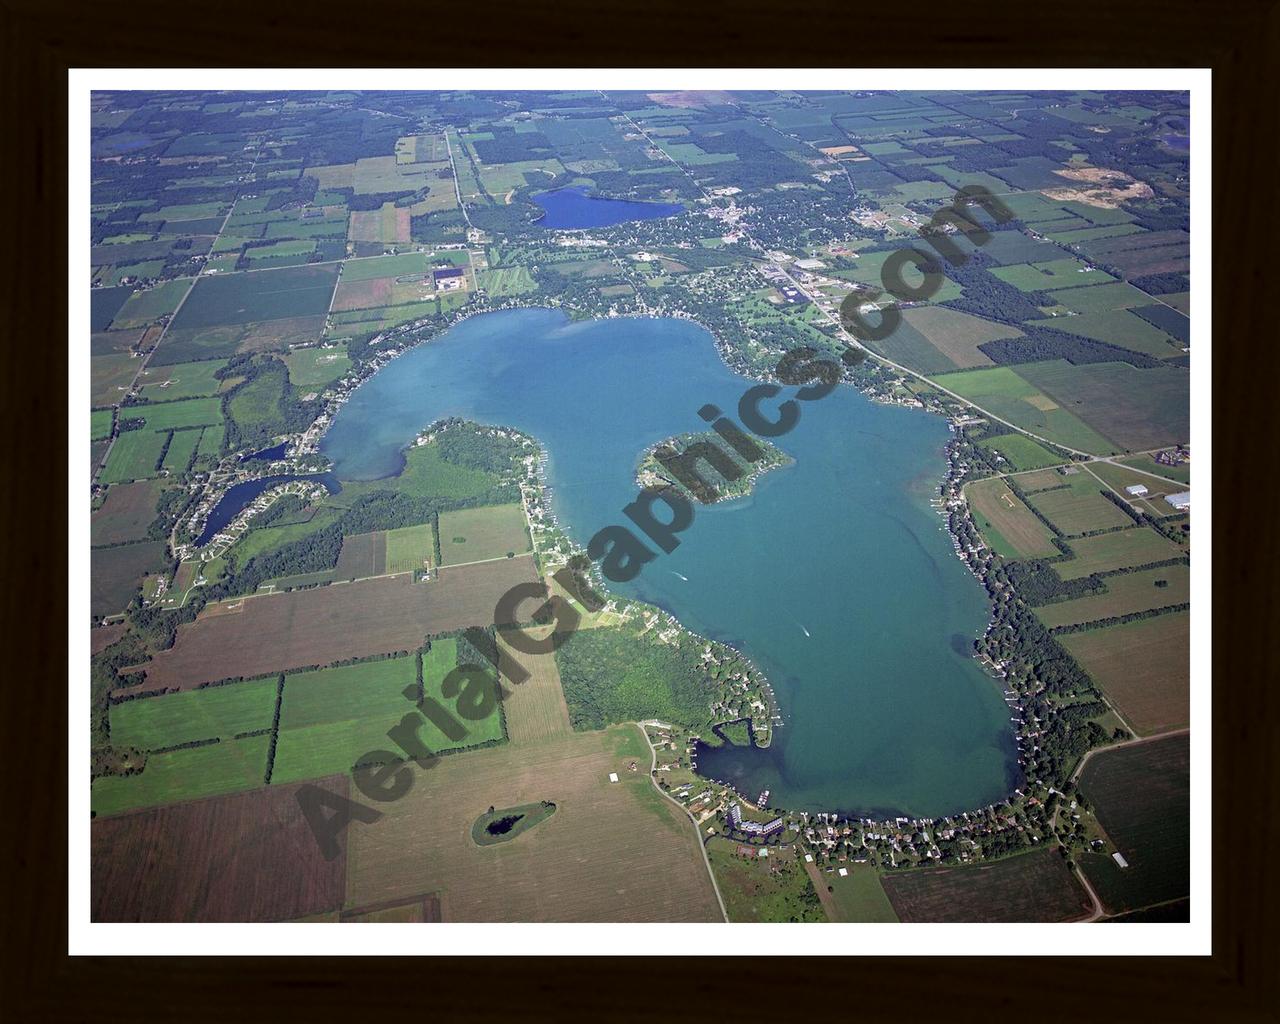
(637, 506)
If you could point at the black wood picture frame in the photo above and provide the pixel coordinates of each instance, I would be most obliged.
(1238, 39)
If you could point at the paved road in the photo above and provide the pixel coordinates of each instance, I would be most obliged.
(697, 832)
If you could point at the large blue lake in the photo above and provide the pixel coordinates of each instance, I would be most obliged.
(835, 576)
(572, 208)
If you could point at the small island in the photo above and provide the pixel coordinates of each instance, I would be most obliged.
(504, 824)
(652, 473)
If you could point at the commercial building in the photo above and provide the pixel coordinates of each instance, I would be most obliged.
(753, 828)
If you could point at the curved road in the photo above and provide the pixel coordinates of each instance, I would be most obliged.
(653, 767)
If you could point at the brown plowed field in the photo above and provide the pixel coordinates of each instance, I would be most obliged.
(610, 852)
(245, 857)
(1035, 886)
(273, 633)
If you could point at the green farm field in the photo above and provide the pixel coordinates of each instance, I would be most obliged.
(1006, 523)
(1079, 507)
(1013, 398)
(1020, 451)
(425, 475)
(189, 412)
(258, 295)
(1051, 275)
(316, 367)
(1100, 298)
(185, 775)
(1126, 594)
(410, 548)
(1120, 327)
(100, 421)
(476, 534)
(1136, 409)
(180, 380)
(181, 450)
(134, 456)
(146, 307)
(399, 266)
(1122, 549)
(215, 712)
(331, 718)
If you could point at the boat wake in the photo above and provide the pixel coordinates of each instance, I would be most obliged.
(681, 575)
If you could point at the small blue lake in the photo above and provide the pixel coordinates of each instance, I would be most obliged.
(572, 208)
(238, 498)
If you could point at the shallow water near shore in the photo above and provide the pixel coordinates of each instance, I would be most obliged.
(835, 576)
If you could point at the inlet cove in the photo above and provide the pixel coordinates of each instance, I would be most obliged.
(834, 574)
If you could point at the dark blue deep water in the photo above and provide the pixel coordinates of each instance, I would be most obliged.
(572, 208)
(836, 576)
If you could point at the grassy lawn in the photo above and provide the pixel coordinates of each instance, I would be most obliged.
(859, 896)
(316, 367)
